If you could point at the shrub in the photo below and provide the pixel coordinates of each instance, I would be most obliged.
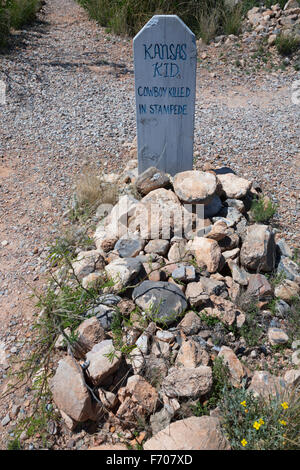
(15, 14)
(91, 191)
(287, 45)
(205, 18)
(232, 19)
(263, 209)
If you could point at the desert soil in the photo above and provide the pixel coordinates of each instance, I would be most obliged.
(70, 103)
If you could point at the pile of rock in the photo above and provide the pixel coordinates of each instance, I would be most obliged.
(275, 21)
(175, 272)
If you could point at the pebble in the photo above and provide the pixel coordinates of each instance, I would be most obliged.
(5, 420)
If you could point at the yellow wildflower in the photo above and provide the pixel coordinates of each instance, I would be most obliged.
(261, 421)
(243, 403)
(256, 425)
(244, 442)
(284, 423)
(285, 405)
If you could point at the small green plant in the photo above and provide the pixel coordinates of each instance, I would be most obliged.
(220, 374)
(250, 331)
(208, 319)
(293, 319)
(263, 209)
(287, 45)
(14, 445)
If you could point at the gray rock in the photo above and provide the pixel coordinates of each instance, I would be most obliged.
(184, 273)
(277, 336)
(5, 420)
(129, 247)
(239, 274)
(104, 315)
(160, 420)
(236, 204)
(193, 382)
(109, 299)
(162, 301)
(289, 268)
(296, 357)
(296, 344)
(258, 249)
(284, 248)
(282, 308)
(179, 273)
(159, 247)
(125, 271)
(230, 213)
(101, 366)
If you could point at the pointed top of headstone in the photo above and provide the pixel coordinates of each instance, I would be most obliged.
(157, 19)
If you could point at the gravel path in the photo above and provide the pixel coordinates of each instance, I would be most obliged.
(70, 100)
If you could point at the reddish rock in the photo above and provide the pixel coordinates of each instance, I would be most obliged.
(192, 433)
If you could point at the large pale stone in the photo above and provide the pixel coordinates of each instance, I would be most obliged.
(267, 385)
(194, 187)
(258, 249)
(192, 383)
(125, 271)
(116, 223)
(101, 366)
(157, 214)
(207, 253)
(69, 391)
(188, 434)
(233, 186)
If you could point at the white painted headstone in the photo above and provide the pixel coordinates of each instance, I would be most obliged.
(165, 59)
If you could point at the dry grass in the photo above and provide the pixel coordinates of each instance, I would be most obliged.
(92, 190)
